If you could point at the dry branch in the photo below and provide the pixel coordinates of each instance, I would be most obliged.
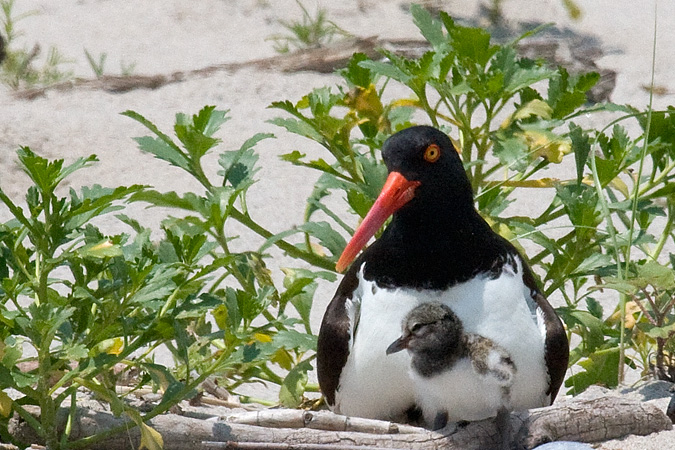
(328, 59)
(586, 421)
(323, 60)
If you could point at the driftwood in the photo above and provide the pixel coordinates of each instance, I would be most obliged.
(323, 60)
(585, 421)
(327, 60)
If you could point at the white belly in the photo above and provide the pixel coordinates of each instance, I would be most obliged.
(461, 393)
(376, 385)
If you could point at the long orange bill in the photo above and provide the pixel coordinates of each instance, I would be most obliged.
(397, 191)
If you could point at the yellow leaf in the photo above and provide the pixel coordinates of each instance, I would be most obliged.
(539, 183)
(5, 404)
(572, 9)
(406, 102)
(457, 144)
(317, 249)
(262, 337)
(220, 316)
(303, 103)
(366, 101)
(112, 346)
(631, 309)
(116, 347)
(618, 184)
(535, 107)
(547, 146)
(150, 438)
(282, 358)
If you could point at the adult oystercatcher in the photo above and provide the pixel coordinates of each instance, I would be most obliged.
(436, 248)
(444, 355)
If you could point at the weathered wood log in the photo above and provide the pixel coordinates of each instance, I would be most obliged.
(585, 421)
(319, 420)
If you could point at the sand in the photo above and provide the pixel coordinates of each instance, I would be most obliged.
(159, 37)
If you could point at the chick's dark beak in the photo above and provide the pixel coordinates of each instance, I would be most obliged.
(398, 345)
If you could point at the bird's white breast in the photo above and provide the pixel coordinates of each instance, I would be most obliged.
(461, 392)
(376, 385)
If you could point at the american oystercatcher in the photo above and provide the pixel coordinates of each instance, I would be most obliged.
(443, 356)
(436, 248)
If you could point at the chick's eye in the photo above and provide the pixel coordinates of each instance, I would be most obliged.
(415, 328)
(432, 153)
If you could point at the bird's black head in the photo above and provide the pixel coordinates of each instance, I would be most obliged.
(432, 331)
(427, 155)
(427, 191)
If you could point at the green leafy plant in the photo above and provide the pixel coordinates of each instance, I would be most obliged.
(251, 349)
(97, 66)
(311, 32)
(81, 309)
(18, 69)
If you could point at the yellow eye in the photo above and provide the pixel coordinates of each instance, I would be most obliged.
(432, 153)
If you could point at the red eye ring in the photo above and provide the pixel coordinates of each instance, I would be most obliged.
(432, 153)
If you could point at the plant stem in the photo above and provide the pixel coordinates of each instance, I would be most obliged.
(292, 250)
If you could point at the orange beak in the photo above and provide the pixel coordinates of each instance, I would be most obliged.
(397, 191)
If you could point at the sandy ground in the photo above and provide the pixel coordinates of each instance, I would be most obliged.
(162, 37)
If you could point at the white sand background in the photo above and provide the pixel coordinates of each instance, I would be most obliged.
(160, 37)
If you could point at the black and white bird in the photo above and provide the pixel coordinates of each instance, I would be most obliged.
(444, 357)
(436, 248)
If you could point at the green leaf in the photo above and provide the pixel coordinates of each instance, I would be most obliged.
(667, 191)
(76, 352)
(431, 29)
(356, 75)
(664, 332)
(601, 367)
(209, 120)
(239, 166)
(295, 158)
(581, 204)
(157, 288)
(590, 265)
(512, 151)
(296, 126)
(594, 307)
(294, 340)
(102, 249)
(196, 143)
(189, 201)
(162, 147)
(566, 93)
(472, 44)
(386, 70)
(164, 151)
(657, 275)
(292, 389)
(48, 174)
(328, 237)
(582, 147)
(594, 326)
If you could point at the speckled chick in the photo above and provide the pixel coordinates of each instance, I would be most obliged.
(455, 371)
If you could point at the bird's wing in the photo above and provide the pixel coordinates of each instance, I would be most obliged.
(490, 359)
(556, 351)
(335, 335)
